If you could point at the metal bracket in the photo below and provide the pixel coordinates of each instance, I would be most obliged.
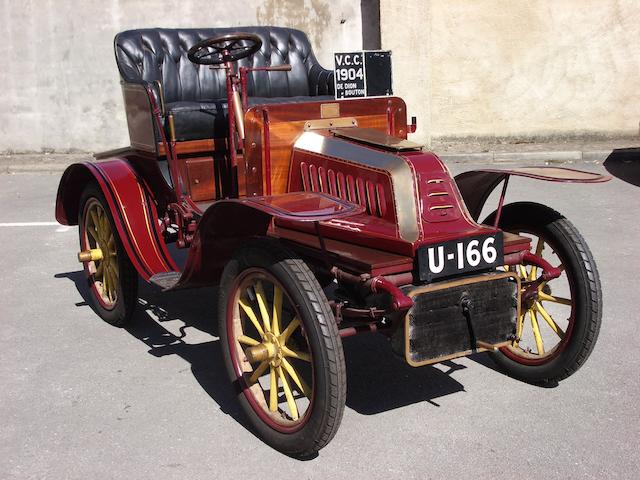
(324, 123)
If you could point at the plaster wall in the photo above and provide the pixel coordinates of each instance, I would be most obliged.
(516, 68)
(59, 82)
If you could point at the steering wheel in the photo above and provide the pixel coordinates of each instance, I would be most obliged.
(225, 48)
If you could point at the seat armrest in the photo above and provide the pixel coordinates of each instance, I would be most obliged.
(156, 90)
(321, 81)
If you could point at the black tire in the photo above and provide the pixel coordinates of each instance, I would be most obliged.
(328, 376)
(568, 246)
(119, 311)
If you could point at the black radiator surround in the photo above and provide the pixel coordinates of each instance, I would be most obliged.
(448, 321)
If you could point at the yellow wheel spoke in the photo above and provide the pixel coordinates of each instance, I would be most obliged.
(112, 283)
(550, 298)
(258, 372)
(92, 231)
(263, 305)
(554, 326)
(244, 340)
(94, 220)
(523, 272)
(534, 270)
(277, 310)
(520, 327)
(536, 332)
(252, 316)
(539, 247)
(114, 270)
(287, 393)
(273, 392)
(295, 323)
(294, 354)
(99, 271)
(304, 388)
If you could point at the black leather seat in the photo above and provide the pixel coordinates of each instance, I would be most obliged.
(196, 95)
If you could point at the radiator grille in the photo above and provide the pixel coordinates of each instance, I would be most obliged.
(347, 187)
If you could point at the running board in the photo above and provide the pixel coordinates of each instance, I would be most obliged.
(166, 280)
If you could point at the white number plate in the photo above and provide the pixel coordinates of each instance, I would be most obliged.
(460, 256)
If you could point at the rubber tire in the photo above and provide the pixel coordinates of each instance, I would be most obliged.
(127, 289)
(578, 260)
(322, 333)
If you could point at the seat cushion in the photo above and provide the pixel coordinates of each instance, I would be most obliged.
(198, 120)
(208, 119)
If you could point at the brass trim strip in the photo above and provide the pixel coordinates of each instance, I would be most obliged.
(437, 194)
(440, 207)
(324, 123)
(455, 283)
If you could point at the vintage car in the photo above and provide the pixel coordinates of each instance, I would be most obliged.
(318, 220)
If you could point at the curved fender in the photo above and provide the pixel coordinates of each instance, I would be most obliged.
(476, 185)
(132, 209)
(227, 224)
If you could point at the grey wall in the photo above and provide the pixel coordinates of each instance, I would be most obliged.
(59, 85)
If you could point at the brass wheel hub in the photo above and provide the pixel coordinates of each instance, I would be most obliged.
(270, 350)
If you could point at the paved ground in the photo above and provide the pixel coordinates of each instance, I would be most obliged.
(81, 399)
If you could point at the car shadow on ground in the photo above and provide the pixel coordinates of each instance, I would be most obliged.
(377, 380)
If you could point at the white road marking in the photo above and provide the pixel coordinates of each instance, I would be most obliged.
(29, 224)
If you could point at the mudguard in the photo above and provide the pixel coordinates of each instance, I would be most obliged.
(133, 211)
(476, 185)
(228, 223)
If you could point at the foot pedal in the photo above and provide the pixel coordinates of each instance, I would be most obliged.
(166, 280)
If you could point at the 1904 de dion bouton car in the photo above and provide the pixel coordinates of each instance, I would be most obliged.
(318, 220)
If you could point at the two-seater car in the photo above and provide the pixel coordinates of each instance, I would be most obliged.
(318, 220)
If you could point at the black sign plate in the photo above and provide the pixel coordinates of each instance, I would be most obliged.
(458, 256)
(363, 74)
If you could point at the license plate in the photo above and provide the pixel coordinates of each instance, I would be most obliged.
(454, 257)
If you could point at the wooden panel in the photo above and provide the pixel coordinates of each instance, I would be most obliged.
(196, 146)
(286, 123)
(200, 178)
(354, 258)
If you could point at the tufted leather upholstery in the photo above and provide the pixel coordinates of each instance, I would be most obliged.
(196, 94)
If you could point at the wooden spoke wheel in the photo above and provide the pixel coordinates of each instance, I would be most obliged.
(560, 319)
(111, 277)
(282, 348)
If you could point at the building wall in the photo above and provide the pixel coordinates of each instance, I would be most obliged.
(516, 68)
(467, 68)
(60, 85)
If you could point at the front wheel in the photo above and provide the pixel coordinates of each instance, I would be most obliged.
(559, 324)
(281, 348)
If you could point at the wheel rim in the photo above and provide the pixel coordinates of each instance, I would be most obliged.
(546, 319)
(104, 274)
(269, 351)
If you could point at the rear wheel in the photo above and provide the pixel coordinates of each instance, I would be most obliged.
(112, 279)
(282, 349)
(559, 323)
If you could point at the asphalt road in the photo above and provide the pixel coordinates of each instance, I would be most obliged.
(81, 399)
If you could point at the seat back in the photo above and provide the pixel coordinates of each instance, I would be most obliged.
(160, 54)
